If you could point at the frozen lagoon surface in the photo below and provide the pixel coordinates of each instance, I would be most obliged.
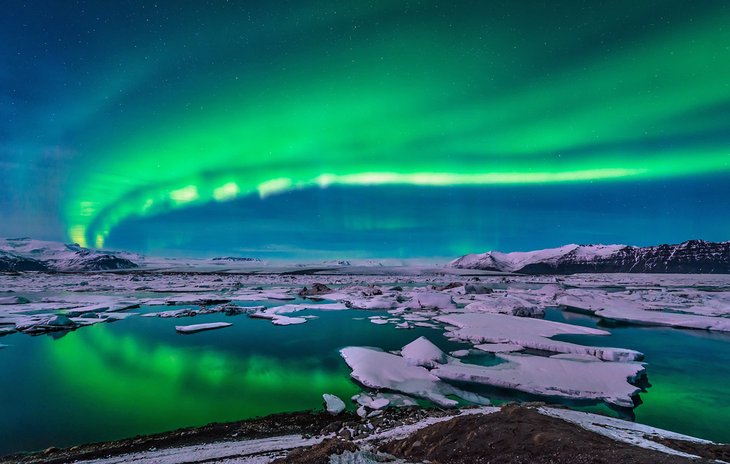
(119, 374)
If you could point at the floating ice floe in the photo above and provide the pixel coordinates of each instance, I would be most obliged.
(278, 319)
(333, 403)
(227, 309)
(378, 320)
(552, 376)
(460, 353)
(430, 300)
(277, 314)
(427, 325)
(505, 304)
(286, 320)
(529, 333)
(377, 302)
(499, 347)
(276, 295)
(189, 329)
(374, 368)
(195, 299)
(5, 330)
(293, 308)
(383, 400)
(13, 300)
(632, 309)
(45, 323)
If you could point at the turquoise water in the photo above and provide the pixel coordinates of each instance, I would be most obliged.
(689, 373)
(139, 376)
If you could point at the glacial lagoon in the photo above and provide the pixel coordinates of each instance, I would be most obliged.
(138, 376)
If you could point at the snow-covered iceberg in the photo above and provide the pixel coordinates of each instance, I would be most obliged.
(481, 328)
(374, 368)
(553, 376)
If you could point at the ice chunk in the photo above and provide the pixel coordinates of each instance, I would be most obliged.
(293, 308)
(499, 347)
(333, 403)
(393, 399)
(278, 319)
(188, 329)
(460, 353)
(379, 403)
(286, 320)
(45, 323)
(421, 352)
(505, 304)
(377, 302)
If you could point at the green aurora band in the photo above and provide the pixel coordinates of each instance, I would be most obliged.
(379, 95)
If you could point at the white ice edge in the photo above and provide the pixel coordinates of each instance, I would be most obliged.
(261, 450)
(401, 432)
(623, 431)
(213, 451)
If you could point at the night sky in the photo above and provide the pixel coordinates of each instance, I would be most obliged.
(364, 129)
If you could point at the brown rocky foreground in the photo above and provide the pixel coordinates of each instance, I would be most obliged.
(514, 434)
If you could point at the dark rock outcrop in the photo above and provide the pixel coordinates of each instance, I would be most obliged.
(10, 262)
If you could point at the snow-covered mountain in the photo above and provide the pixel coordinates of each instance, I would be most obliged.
(690, 257)
(24, 254)
(13, 262)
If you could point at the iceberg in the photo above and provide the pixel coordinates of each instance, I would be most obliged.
(480, 328)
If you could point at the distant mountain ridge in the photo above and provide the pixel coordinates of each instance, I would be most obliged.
(24, 254)
(690, 257)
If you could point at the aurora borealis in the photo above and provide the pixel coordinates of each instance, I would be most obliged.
(363, 129)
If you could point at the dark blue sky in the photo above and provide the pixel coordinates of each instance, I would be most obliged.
(368, 129)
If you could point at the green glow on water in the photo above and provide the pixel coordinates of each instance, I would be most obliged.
(687, 370)
(138, 376)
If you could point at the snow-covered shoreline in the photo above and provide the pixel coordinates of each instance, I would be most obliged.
(257, 441)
